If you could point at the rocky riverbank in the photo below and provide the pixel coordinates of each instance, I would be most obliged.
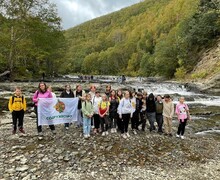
(67, 155)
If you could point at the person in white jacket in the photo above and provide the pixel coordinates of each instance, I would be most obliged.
(95, 101)
(125, 112)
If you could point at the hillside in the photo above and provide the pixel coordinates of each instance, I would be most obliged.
(151, 38)
(207, 71)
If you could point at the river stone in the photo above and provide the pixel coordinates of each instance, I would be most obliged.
(11, 171)
(32, 115)
(66, 158)
(58, 151)
(22, 168)
(60, 158)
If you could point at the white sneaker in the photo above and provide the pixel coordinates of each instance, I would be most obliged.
(134, 131)
(85, 136)
(182, 137)
(103, 133)
(88, 135)
(124, 136)
(115, 130)
(112, 130)
(67, 128)
(128, 135)
(177, 135)
(106, 133)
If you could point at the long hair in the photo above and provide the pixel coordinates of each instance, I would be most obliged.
(39, 89)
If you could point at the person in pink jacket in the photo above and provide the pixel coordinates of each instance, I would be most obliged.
(182, 111)
(42, 92)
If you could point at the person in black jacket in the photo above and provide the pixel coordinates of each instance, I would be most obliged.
(67, 93)
(151, 110)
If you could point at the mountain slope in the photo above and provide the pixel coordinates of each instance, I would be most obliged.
(162, 37)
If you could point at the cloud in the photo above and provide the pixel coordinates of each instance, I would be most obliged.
(74, 12)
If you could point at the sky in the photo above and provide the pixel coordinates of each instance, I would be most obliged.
(74, 12)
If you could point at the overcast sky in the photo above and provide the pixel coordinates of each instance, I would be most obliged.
(74, 12)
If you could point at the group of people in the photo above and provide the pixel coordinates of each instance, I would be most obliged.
(110, 111)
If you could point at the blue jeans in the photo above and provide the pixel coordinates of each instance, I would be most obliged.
(86, 125)
(79, 118)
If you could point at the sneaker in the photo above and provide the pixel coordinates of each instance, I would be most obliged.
(103, 133)
(14, 132)
(182, 137)
(22, 130)
(128, 135)
(177, 135)
(67, 128)
(134, 131)
(112, 130)
(88, 135)
(115, 130)
(124, 136)
(85, 136)
(106, 133)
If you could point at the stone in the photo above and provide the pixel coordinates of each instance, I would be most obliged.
(11, 171)
(22, 168)
(33, 115)
(66, 158)
(58, 151)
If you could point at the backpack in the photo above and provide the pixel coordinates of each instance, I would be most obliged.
(22, 99)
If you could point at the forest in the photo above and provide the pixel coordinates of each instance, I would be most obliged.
(151, 38)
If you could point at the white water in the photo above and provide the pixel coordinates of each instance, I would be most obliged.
(177, 90)
(214, 131)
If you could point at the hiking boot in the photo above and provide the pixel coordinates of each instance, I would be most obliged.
(22, 130)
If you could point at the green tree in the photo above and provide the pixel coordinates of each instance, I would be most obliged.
(32, 36)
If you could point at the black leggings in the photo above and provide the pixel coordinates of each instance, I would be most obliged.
(39, 128)
(96, 121)
(104, 123)
(18, 116)
(135, 120)
(124, 123)
(181, 128)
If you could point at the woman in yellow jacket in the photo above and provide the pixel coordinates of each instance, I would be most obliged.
(17, 106)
